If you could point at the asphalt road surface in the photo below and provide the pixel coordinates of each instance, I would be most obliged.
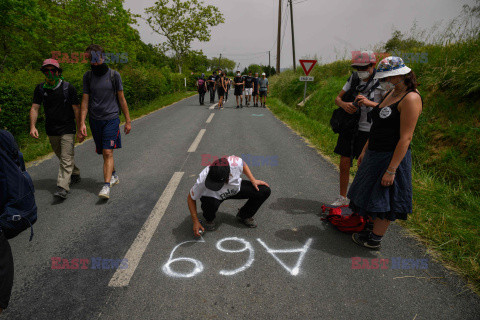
(140, 260)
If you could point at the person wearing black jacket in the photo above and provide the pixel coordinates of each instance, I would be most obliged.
(211, 86)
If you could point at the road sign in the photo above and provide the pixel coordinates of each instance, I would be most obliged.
(306, 78)
(308, 65)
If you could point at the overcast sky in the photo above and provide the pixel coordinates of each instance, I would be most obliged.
(327, 29)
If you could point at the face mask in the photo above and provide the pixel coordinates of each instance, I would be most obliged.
(51, 80)
(99, 70)
(363, 75)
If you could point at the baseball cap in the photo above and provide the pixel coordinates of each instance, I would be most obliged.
(263, 74)
(51, 62)
(363, 58)
(218, 174)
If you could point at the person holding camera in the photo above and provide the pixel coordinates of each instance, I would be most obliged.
(357, 98)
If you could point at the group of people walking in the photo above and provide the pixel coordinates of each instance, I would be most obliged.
(247, 86)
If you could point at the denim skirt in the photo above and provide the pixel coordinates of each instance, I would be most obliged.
(369, 198)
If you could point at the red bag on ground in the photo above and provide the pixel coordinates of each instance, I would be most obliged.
(350, 223)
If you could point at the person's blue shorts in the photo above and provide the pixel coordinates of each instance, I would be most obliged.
(106, 134)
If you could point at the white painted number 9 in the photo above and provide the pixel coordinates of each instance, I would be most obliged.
(247, 246)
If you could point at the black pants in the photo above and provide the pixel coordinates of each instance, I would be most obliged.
(6, 271)
(201, 97)
(247, 191)
(226, 92)
(212, 94)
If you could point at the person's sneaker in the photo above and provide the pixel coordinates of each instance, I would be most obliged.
(114, 180)
(341, 201)
(105, 192)
(238, 107)
(208, 225)
(61, 193)
(75, 178)
(368, 227)
(249, 222)
(364, 239)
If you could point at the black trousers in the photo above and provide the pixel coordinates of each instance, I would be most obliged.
(247, 191)
(226, 92)
(201, 97)
(6, 271)
(212, 94)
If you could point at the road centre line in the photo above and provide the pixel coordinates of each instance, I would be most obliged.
(122, 277)
(213, 106)
(210, 118)
(197, 140)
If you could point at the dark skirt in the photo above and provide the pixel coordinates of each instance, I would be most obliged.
(369, 198)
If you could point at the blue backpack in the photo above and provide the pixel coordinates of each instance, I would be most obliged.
(18, 210)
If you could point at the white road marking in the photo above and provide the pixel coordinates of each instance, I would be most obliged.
(210, 118)
(122, 277)
(213, 106)
(247, 246)
(197, 140)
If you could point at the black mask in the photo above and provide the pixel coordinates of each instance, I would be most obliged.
(99, 70)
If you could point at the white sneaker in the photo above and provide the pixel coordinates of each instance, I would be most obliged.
(341, 201)
(105, 192)
(114, 180)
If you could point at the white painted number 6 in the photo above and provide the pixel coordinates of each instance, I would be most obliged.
(196, 270)
(247, 246)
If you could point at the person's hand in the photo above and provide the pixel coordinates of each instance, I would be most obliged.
(128, 127)
(360, 100)
(387, 180)
(349, 108)
(197, 226)
(83, 130)
(34, 133)
(80, 137)
(257, 183)
(360, 159)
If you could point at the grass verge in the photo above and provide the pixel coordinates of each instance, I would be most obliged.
(33, 149)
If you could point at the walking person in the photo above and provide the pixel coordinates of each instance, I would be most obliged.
(248, 88)
(255, 90)
(222, 181)
(62, 114)
(202, 89)
(221, 88)
(239, 84)
(382, 188)
(263, 89)
(103, 98)
(211, 86)
(227, 85)
(358, 96)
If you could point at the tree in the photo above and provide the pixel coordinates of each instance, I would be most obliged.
(223, 63)
(255, 68)
(398, 42)
(181, 23)
(197, 62)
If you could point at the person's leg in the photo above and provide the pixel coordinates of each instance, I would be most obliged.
(210, 207)
(6, 272)
(108, 165)
(67, 161)
(255, 198)
(380, 226)
(344, 175)
(55, 143)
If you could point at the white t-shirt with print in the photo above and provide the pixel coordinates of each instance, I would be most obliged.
(230, 189)
(375, 96)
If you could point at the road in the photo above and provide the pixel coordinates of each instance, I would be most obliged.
(293, 266)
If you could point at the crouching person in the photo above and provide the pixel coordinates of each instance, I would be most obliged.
(221, 181)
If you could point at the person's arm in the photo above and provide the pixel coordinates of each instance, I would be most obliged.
(255, 182)
(347, 106)
(192, 206)
(362, 154)
(33, 120)
(77, 111)
(124, 106)
(410, 109)
(82, 132)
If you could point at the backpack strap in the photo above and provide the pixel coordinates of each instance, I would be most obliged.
(66, 97)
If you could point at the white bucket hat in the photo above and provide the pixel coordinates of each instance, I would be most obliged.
(363, 58)
(391, 66)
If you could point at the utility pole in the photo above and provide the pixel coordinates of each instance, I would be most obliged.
(293, 36)
(219, 61)
(269, 59)
(278, 35)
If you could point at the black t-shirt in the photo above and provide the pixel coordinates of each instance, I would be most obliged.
(211, 78)
(238, 80)
(248, 82)
(59, 118)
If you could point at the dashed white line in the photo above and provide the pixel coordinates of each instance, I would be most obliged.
(210, 118)
(122, 277)
(197, 140)
(213, 106)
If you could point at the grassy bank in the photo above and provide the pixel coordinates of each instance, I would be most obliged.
(445, 147)
(35, 148)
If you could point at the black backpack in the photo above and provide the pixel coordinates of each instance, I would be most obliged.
(19, 212)
(114, 85)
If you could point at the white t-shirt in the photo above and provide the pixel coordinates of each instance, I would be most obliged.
(230, 189)
(375, 96)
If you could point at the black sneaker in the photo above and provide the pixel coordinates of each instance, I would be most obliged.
(75, 178)
(249, 222)
(238, 107)
(208, 225)
(365, 240)
(61, 193)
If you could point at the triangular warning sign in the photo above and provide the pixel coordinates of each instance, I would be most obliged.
(308, 65)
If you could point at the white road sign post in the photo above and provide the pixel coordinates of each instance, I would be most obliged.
(307, 66)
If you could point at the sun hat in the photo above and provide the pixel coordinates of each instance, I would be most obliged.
(391, 66)
(217, 174)
(51, 62)
(263, 74)
(363, 58)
